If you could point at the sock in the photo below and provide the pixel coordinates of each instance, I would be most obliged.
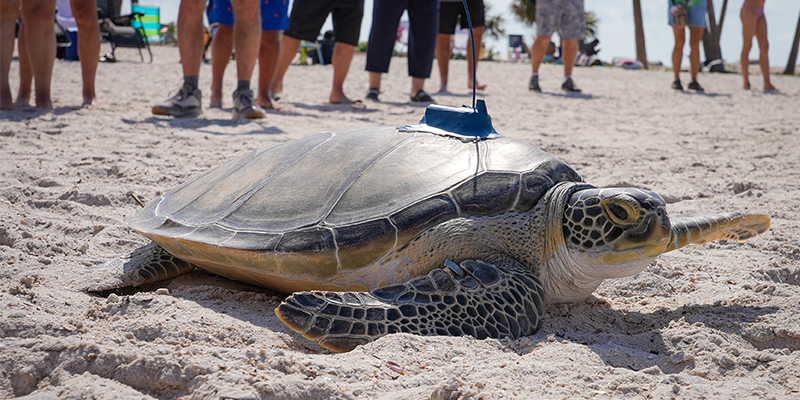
(534, 75)
(192, 81)
(566, 78)
(243, 85)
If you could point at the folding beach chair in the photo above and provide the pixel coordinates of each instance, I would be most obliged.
(120, 31)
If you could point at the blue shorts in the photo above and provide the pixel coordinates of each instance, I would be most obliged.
(274, 14)
(697, 15)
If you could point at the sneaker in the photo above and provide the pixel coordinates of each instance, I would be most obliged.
(534, 84)
(373, 93)
(676, 84)
(569, 86)
(244, 106)
(187, 101)
(694, 85)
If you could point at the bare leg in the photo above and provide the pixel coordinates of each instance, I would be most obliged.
(478, 39)
(9, 11)
(37, 15)
(221, 49)
(246, 36)
(190, 41)
(748, 16)
(570, 54)
(342, 56)
(267, 64)
(696, 36)
(85, 13)
(25, 71)
(677, 51)
(289, 47)
(375, 80)
(538, 50)
(763, 47)
(417, 84)
(443, 59)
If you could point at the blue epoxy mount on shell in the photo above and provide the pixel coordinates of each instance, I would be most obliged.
(464, 123)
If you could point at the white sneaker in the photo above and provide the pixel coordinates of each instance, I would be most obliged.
(245, 106)
(183, 103)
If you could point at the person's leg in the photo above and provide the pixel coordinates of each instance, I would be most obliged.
(443, 59)
(538, 50)
(9, 11)
(289, 47)
(478, 42)
(677, 51)
(246, 36)
(221, 49)
(85, 13)
(267, 63)
(375, 80)
(423, 18)
(763, 47)
(190, 41)
(25, 71)
(342, 56)
(748, 16)
(385, 18)
(570, 54)
(37, 15)
(696, 36)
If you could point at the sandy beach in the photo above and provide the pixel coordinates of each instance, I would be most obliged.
(718, 321)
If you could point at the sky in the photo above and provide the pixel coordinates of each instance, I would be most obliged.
(616, 29)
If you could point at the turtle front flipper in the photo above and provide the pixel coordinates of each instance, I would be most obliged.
(476, 298)
(709, 228)
(149, 263)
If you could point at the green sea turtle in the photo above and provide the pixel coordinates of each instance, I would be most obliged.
(440, 228)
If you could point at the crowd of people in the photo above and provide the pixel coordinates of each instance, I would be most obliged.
(432, 25)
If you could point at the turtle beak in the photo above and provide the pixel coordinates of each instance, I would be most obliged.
(727, 226)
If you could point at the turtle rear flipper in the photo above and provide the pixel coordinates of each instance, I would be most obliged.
(478, 299)
(149, 263)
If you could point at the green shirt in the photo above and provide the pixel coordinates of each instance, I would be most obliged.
(689, 3)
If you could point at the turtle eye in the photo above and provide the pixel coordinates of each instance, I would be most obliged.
(620, 212)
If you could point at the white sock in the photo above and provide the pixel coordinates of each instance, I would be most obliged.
(534, 75)
(566, 78)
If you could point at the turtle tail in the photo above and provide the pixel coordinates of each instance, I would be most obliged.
(476, 298)
(708, 228)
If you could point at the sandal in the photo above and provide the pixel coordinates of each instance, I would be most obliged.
(422, 97)
(356, 104)
(373, 93)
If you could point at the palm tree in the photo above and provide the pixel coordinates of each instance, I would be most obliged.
(495, 24)
(793, 55)
(641, 52)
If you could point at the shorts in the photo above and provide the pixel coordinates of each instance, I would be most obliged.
(697, 15)
(308, 16)
(451, 12)
(568, 15)
(274, 14)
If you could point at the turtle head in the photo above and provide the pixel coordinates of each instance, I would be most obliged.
(617, 230)
(620, 230)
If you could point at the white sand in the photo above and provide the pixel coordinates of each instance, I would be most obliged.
(718, 321)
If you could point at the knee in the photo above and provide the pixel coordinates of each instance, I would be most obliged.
(9, 10)
(246, 10)
(764, 47)
(40, 12)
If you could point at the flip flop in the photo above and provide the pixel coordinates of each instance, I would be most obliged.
(357, 104)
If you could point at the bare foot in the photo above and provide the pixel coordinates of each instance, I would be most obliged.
(480, 87)
(44, 104)
(5, 102)
(769, 88)
(266, 103)
(216, 100)
(746, 85)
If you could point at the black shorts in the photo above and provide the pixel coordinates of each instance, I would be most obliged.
(308, 16)
(452, 12)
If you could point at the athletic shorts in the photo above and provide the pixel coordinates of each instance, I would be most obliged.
(452, 12)
(697, 15)
(308, 16)
(273, 14)
(566, 15)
